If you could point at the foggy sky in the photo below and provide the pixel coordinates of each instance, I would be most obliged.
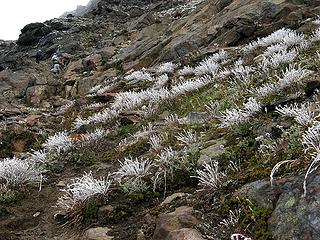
(15, 14)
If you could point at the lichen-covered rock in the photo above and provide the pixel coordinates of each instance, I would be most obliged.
(214, 150)
(260, 191)
(297, 217)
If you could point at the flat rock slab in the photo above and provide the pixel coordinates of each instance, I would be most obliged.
(99, 233)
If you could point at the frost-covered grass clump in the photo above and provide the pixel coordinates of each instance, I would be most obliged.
(138, 76)
(19, 173)
(76, 194)
(236, 116)
(210, 177)
(132, 174)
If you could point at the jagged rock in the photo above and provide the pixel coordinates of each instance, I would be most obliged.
(295, 216)
(99, 233)
(145, 20)
(215, 149)
(15, 83)
(107, 52)
(36, 94)
(92, 62)
(32, 33)
(168, 223)
(72, 71)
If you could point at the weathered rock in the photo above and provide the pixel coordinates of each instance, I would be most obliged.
(185, 234)
(61, 184)
(99, 233)
(195, 118)
(143, 21)
(92, 62)
(33, 119)
(295, 216)
(259, 191)
(36, 94)
(32, 33)
(15, 83)
(167, 223)
(215, 149)
(173, 197)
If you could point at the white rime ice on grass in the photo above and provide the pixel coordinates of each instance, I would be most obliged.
(161, 81)
(156, 141)
(96, 135)
(236, 116)
(311, 139)
(210, 177)
(278, 58)
(303, 114)
(133, 168)
(185, 71)
(187, 137)
(58, 142)
(292, 75)
(311, 143)
(139, 76)
(238, 236)
(18, 172)
(283, 36)
(168, 67)
(82, 189)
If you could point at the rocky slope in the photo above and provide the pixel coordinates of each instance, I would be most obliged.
(156, 95)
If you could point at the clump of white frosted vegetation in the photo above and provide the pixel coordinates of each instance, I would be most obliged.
(292, 76)
(303, 114)
(168, 67)
(133, 168)
(138, 76)
(58, 142)
(210, 176)
(236, 116)
(187, 137)
(185, 71)
(156, 141)
(18, 173)
(132, 175)
(284, 37)
(75, 195)
(94, 136)
(277, 59)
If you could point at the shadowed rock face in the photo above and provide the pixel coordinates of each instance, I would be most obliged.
(32, 33)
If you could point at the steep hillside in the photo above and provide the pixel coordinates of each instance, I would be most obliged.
(168, 120)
